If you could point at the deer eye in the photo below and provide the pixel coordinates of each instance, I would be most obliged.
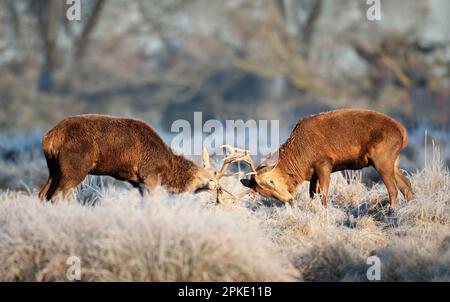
(272, 182)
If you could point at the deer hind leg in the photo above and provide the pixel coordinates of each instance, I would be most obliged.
(403, 183)
(45, 188)
(385, 168)
(53, 186)
(67, 184)
(53, 177)
(323, 171)
(73, 169)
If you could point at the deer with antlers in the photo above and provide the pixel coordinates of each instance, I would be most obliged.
(319, 145)
(126, 149)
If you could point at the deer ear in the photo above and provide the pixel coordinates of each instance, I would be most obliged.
(249, 183)
(205, 158)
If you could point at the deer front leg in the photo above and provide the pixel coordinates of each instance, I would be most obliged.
(323, 171)
(145, 186)
(313, 186)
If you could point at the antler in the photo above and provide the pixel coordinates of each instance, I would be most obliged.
(235, 155)
(238, 155)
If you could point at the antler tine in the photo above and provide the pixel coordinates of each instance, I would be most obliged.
(227, 161)
(219, 196)
(229, 193)
(221, 190)
(247, 192)
(237, 155)
(234, 149)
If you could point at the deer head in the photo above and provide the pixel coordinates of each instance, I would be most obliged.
(267, 179)
(208, 179)
(205, 176)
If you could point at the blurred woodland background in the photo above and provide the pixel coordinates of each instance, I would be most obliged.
(281, 59)
(162, 60)
(231, 59)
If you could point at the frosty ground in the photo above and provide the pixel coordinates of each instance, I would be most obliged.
(120, 236)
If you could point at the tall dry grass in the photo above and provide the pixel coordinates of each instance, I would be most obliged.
(129, 239)
(188, 238)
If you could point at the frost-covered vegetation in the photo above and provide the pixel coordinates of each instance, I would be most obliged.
(233, 59)
(118, 235)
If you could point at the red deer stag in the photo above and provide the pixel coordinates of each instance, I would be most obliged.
(319, 145)
(126, 149)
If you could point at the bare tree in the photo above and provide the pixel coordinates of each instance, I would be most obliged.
(48, 13)
(50, 19)
(83, 40)
(301, 31)
(14, 15)
(309, 27)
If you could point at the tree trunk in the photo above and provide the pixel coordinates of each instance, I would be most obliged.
(48, 13)
(88, 29)
(308, 29)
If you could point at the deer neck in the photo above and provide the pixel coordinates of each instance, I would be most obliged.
(294, 170)
(179, 175)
